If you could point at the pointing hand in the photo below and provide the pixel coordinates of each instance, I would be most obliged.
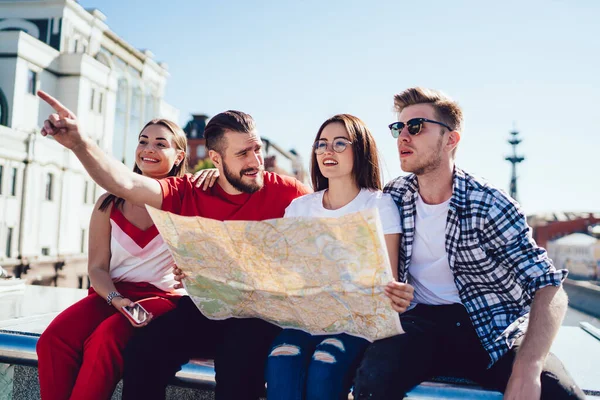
(62, 125)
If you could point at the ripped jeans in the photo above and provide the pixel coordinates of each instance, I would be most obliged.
(302, 366)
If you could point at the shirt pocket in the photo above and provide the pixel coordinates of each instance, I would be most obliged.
(470, 258)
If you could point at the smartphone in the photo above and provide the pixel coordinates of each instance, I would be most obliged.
(137, 314)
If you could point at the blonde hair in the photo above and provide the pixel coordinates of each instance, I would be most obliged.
(446, 110)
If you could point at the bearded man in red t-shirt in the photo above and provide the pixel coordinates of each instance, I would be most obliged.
(243, 191)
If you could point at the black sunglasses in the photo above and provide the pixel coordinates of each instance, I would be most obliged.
(413, 126)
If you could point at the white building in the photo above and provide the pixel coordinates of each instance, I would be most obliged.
(46, 197)
(577, 252)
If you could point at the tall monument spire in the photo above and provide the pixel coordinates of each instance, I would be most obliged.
(514, 159)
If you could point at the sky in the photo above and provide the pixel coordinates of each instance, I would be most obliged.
(531, 65)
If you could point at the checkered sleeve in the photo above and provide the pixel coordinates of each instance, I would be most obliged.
(508, 240)
(393, 187)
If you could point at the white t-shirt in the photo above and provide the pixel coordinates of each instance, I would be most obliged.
(429, 270)
(311, 205)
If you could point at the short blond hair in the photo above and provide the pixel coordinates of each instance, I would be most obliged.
(446, 110)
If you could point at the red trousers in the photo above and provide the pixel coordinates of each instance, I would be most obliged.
(80, 353)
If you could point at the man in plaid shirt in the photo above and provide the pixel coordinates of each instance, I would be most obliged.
(483, 301)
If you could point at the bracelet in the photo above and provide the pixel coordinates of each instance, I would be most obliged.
(111, 296)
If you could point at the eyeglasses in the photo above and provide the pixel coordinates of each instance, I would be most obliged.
(338, 145)
(413, 126)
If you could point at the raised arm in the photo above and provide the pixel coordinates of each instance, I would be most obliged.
(107, 172)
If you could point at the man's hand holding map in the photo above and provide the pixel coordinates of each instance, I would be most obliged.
(321, 275)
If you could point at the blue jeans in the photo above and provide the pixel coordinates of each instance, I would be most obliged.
(301, 366)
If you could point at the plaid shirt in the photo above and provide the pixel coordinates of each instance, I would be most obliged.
(497, 266)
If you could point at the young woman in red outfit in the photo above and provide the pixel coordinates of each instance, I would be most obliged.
(79, 354)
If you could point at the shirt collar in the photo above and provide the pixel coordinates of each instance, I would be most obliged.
(459, 188)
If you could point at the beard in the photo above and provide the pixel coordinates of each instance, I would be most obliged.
(236, 180)
(432, 162)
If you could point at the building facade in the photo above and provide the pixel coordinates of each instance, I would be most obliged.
(552, 226)
(577, 252)
(46, 197)
(196, 151)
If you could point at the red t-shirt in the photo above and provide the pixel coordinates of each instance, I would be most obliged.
(180, 196)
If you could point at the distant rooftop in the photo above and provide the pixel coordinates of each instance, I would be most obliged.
(544, 218)
(577, 239)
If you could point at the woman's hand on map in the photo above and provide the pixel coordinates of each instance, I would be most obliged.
(400, 294)
(179, 277)
(207, 176)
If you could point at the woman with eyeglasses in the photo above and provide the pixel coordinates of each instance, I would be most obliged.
(346, 178)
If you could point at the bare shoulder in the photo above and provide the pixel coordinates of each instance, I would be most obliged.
(101, 200)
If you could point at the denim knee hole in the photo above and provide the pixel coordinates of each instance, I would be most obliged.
(334, 342)
(324, 356)
(285, 350)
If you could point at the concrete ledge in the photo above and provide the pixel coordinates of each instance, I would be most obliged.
(196, 380)
(18, 349)
(25, 316)
(25, 387)
(583, 296)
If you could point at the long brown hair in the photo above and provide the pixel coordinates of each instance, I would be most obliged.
(365, 170)
(179, 170)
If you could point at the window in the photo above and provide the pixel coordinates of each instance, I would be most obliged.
(100, 99)
(45, 251)
(149, 111)
(17, 24)
(120, 121)
(9, 236)
(75, 45)
(88, 192)
(31, 82)
(49, 184)
(3, 109)
(1, 176)
(13, 183)
(92, 99)
(135, 125)
(82, 249)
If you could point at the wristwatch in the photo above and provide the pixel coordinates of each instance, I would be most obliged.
(111, 296)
